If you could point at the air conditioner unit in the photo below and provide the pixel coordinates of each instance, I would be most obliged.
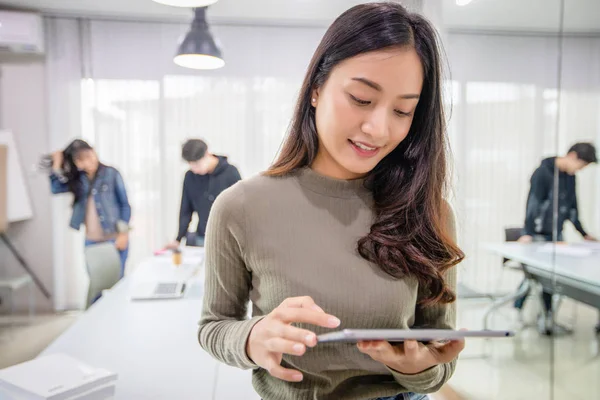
(21, 32)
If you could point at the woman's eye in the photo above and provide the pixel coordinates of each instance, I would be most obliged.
(402, 113)
(360, 101)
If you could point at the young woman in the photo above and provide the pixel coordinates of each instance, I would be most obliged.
(100, 199)
(347, 229)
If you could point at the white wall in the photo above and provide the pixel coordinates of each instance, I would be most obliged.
(146, 50)
(23, 110)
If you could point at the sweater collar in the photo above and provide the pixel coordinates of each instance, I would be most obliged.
(332, 187)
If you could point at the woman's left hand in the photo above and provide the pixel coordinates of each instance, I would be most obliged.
(122, 241)
(412, 357)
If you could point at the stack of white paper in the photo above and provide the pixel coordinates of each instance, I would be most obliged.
(56, 377)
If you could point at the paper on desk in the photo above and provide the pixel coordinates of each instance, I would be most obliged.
(594, 246)
(566, 250)
(55, 376)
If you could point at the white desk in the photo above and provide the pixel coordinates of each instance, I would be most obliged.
(569, 270)
(575, 276)
(153, 344)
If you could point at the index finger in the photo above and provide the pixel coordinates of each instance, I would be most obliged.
(307, 316)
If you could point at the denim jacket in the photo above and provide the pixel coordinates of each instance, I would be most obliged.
(110, 198)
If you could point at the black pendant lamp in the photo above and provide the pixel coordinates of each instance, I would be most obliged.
(198, 49)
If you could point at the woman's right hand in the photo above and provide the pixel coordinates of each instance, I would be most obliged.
(274, 335)
(57, 159)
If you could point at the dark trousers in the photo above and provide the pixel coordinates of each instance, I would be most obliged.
(546, 298)
(193, 239)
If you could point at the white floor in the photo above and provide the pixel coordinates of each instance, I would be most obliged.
(525, 367)
(23, 338)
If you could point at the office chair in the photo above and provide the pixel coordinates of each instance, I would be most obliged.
(463, 291)
(510, 235)
(104, 269)
(513, 235)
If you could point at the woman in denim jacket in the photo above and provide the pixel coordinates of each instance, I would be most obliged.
(100, 199)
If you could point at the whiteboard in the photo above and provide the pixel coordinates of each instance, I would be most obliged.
(18, 201)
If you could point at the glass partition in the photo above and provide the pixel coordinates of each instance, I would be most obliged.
(503, 90)
(576, 281)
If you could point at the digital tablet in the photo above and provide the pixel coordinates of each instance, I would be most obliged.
(400, 335)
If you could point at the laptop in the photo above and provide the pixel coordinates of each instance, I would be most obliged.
(158, 290)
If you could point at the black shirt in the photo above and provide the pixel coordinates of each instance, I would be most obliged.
(538, 218)
(199, 193)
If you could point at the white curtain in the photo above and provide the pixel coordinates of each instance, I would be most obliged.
(64, 73)
(579, 121)
(121, 120)
(496, 151)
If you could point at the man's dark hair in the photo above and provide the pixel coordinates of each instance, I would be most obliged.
(585, 152)
(193, 150)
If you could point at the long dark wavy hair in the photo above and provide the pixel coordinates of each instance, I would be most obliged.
(70, 170)
(409, 234)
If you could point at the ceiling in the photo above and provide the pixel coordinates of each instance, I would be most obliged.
(503, 15)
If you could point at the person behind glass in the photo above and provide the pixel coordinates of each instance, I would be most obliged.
(100, 200)
(540, 203)
(208, 176)
(347, 229)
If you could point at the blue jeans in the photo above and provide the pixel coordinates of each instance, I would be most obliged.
(122, 253)
(406, 396)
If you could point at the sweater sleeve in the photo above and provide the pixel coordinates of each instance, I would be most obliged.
(224, 329)
(438, 316)
(574, 215)
(122, 199)
(58, 183)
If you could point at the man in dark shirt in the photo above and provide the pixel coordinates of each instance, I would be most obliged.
(538, 218)
(208, 176)
(540, 202)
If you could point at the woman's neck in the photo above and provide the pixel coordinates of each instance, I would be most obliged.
(325, 165)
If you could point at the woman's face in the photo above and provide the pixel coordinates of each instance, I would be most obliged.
(87, 161)
(365, 109)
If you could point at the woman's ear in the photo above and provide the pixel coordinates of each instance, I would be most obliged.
(314, 97)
